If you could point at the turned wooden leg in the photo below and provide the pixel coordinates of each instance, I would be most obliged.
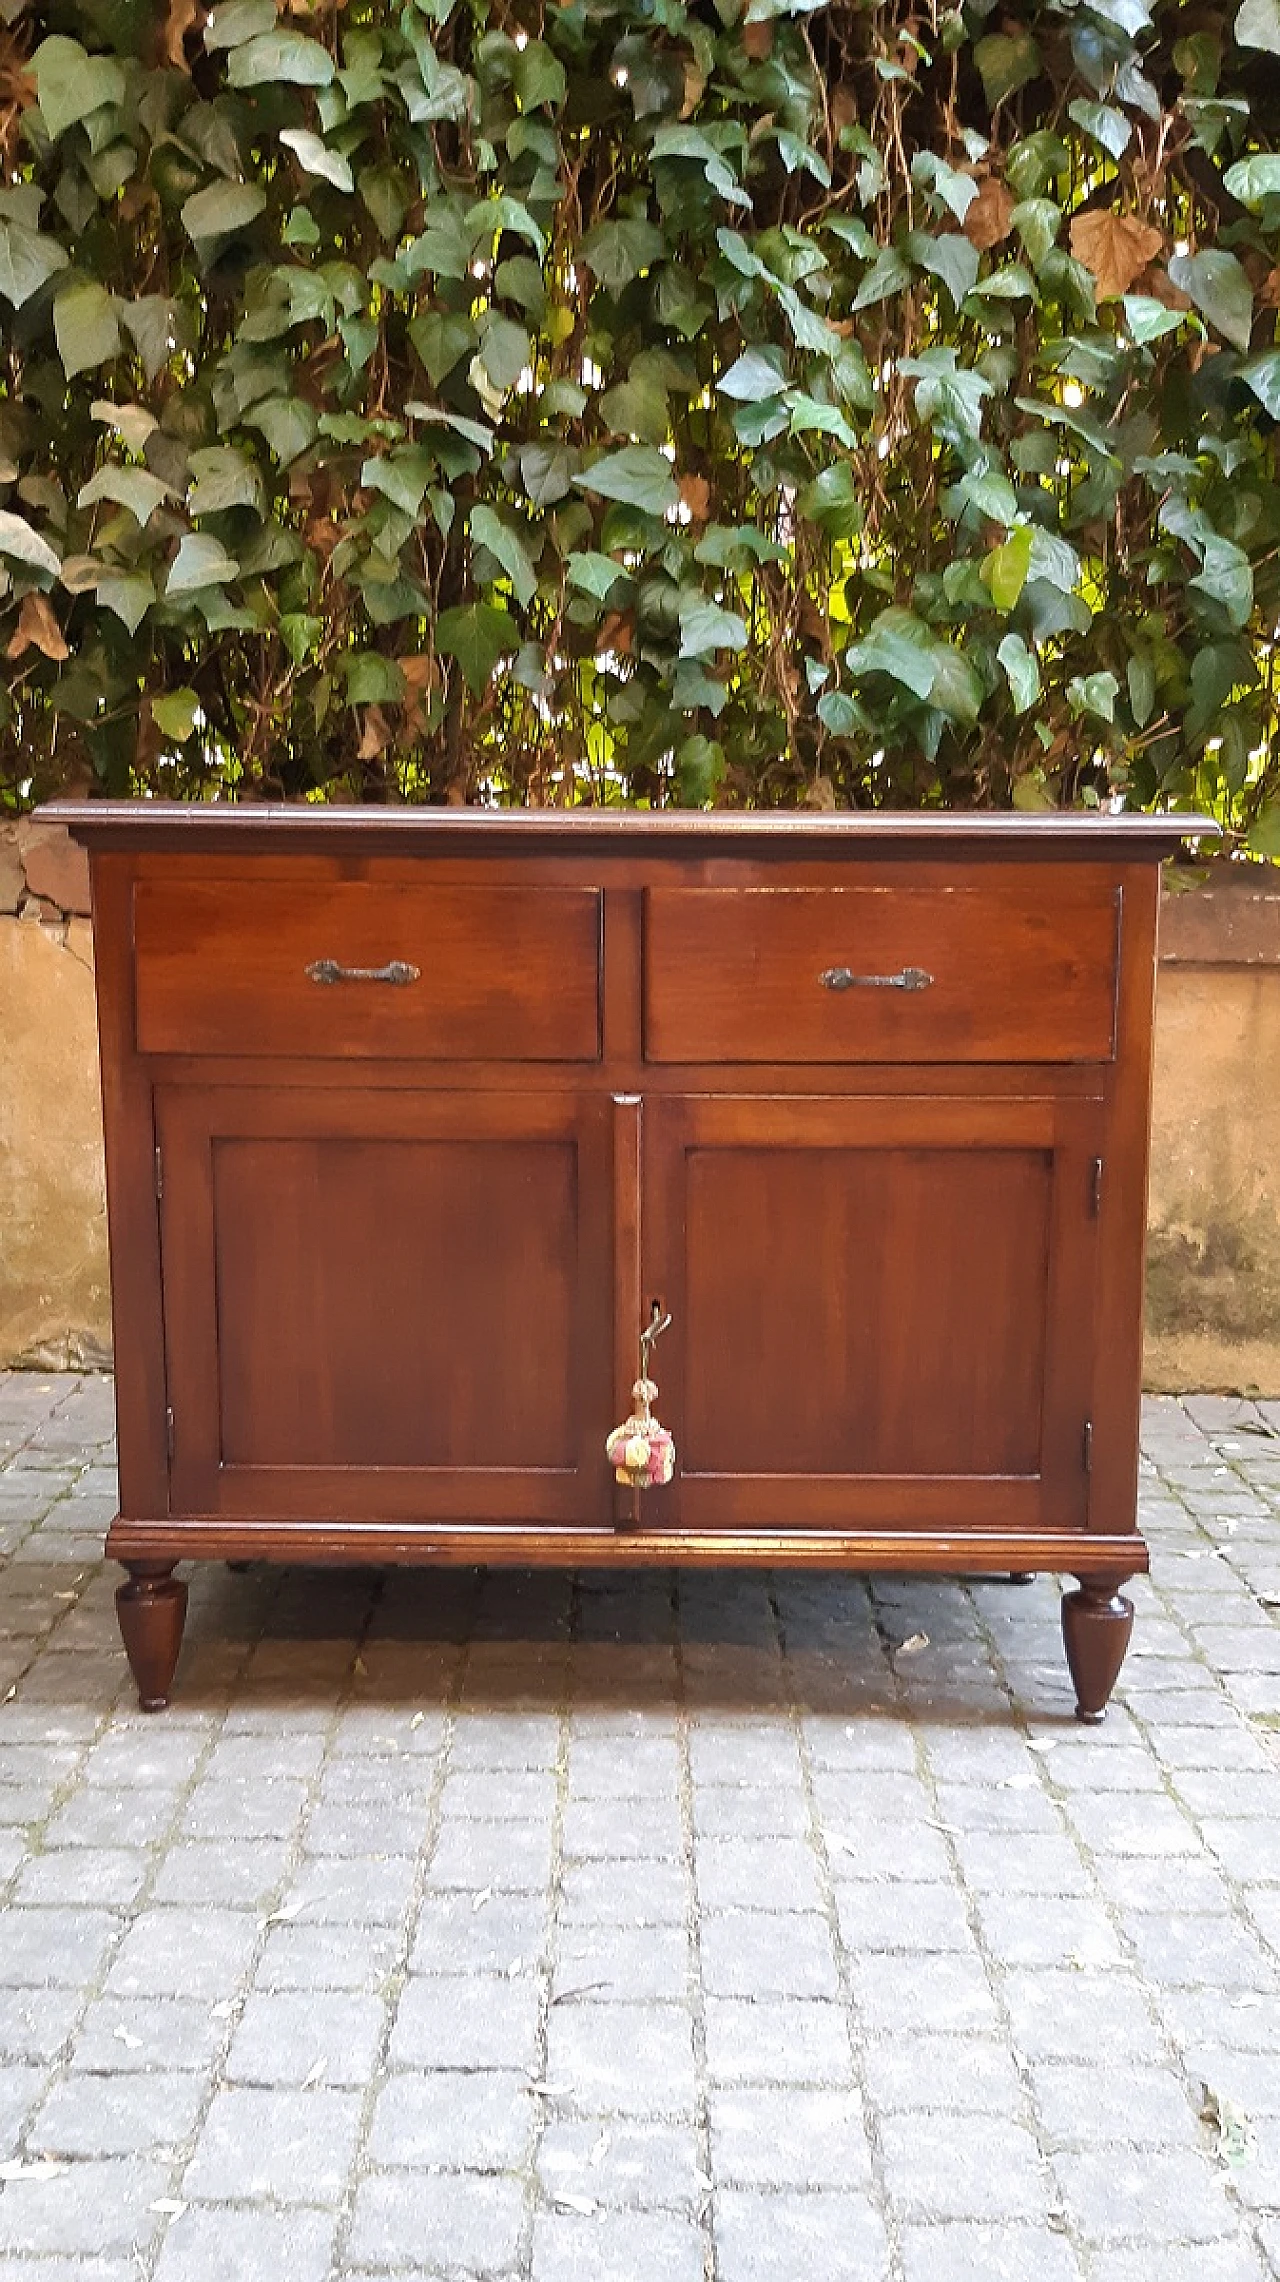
(152, 1608)
(1097, 1620)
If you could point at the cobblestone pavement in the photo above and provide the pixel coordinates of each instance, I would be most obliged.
(639, 1929)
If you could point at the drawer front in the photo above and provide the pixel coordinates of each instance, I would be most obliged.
(989, 972)
(354, 969)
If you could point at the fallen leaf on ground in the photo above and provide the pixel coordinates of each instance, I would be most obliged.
(40, 2167)
(168, 2207)
(314, 2074)
(1236, 2142)
(580, 2203)
(913, 1644)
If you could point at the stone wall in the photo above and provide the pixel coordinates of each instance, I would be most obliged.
(1213, 1243)
(54, 1295)
(1213, 1291)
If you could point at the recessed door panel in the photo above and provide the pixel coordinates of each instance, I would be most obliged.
(390, 1307)
(880, 1309)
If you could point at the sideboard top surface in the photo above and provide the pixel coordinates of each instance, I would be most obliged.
(222, 827)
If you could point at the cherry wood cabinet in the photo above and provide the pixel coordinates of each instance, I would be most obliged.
(413, 1117)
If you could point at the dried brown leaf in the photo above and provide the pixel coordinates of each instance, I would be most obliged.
(178, 22)
(989, 218)
(1114, 248)
(37, 629)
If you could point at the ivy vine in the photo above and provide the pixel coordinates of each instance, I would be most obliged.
(746, 401)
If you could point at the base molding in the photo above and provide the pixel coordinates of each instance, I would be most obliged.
(1082, 1553)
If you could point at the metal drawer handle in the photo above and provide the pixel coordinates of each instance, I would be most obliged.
(844, 978)
(396, 971)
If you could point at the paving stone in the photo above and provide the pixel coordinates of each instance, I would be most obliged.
(455, 2224)
(454, 1936)
(466, 2021)
(504, 1856)
(967, 2253)
(215, 2244)
(776, 2041)
(1081, 2105)
(942, 2166)
(626, 1964)
(86, 1876)
(624, 1893)
(21, 2085)
(759, 1953)
(783, 2237)
(622, 2059)
(1178, 2262)
(317, 2037)
(129, 2115)
(300, 1956)
(1056, 2015)
(786, 2138)
(434, 2120)
(608, 2246)
(123, 2036)
(1019, 1929)
(907, 1995)
(55, 1947)
(92, 2208)
(184, 1953)
(902, 1916)
(968, 2075)
(632, 2165)
(295, 2146)
(1118, 2194)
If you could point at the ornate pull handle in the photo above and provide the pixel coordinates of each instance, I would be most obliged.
(844, 978)
(396, 971)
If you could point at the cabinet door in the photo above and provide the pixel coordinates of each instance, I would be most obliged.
(882, 1310)
(387, 1305)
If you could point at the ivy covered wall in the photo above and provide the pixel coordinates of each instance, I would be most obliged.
(659, 400)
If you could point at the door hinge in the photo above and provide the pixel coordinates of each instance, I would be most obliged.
(1086, 1451)
(159, 1173)
(168, 1434)
(1095, 1192)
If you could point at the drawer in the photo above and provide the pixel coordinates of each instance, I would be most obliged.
(992, 971)
(352, 968)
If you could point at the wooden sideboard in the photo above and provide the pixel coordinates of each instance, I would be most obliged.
(413, 1116)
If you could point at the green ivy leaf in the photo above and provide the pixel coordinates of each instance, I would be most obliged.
(508, 548)
(222, 478)
(234, 21)
(705, 627)
(539, 77)
(546, 471)
(175, 714)
(946, 184)
(477, 635)
(132, 487)
(594, 574)
(1226, 575)
(1258, 25)
(1021, 671)
(1005, 569)
(637, 475)
(85, 326)
(287, 422)
(275, 57)
(128, 595)
(27, 261)
(831, 500)
(1217, 284)
(372, 678)
(617, 252)
(1094, 693)
(301, 635)
(23, 545)
(1263, 376)
(1254, 179)
(755, 375)
(72, 85)
(1007, 61)
(1104, 123)
(505, 350)
(899, 646)
(948, 256)
(402, 477)
(200, 561)
(1149, 320)
(315, 157)
(222, 209)
(1140, 675)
